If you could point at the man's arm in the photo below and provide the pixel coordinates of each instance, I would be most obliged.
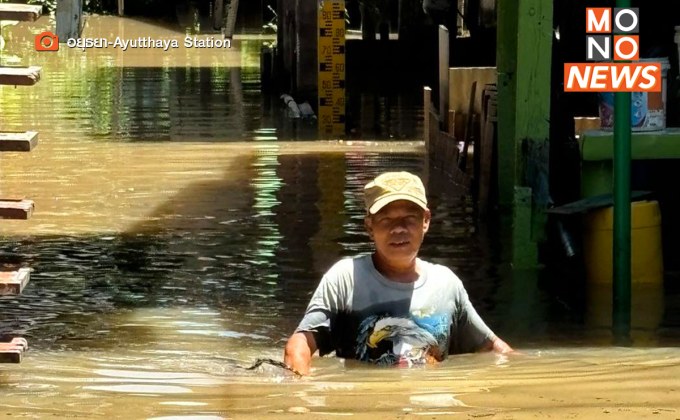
(299, 350)
(474, 334)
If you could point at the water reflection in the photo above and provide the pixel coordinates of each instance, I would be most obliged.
(647, 311)
(178, 95)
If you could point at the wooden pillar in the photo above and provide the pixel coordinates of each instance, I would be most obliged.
(230, 26)
(306, 17)
(297, 47)
(524, 53)
(443, 62)
(506, 63)
(286, 43)
(218, 14)
(69, 19)
(427, 104)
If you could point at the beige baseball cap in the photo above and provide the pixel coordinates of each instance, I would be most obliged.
(393, 186)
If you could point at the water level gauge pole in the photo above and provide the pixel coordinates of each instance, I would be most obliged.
(331, 76)
(622, 248)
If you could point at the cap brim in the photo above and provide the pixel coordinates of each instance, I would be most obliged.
(383, 201)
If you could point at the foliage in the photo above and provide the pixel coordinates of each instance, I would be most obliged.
(48, 5)
(90, 6)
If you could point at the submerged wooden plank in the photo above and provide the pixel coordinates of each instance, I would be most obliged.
(19, 141)
(13, 351)
(23, 76)
(21, 12)
(12, 283)
(16, 209)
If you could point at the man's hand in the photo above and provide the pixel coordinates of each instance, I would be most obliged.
(497, 345)
(299, 350)
(500, 346)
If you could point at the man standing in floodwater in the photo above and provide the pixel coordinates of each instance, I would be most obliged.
(391, 307)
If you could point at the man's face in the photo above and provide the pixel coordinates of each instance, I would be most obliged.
(398, 230)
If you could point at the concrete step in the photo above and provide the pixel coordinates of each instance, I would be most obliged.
(13, 351)
(17, 209)
(12, 283)
(18, 141)
(20, 76)
(21, 12)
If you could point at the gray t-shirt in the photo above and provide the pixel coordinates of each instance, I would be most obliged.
(353, 290)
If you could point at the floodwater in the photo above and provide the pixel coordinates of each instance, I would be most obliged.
(179, 231)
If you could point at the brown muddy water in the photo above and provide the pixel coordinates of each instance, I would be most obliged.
(178, 234)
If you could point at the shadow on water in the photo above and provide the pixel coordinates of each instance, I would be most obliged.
(253, 245)
(256, 242)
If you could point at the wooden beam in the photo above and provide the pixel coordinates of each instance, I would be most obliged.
(16, 209)
(19, 141)
(12, 283)
(22, 76)
(307, 49)
(13, 351)
(21, 12)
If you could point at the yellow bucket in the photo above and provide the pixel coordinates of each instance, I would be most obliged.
(646, 247)
(646, 312)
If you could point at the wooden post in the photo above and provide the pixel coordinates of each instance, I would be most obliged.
(218, 15)
(285, 36)
(427, 103)
(506, 63)
(69, 19)
(307, 19)
(443, 92)
(486, 153)
(524, 74)
(121, 7)
(230, 26)
(533, 99)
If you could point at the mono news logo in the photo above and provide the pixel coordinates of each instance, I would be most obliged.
(612, 37)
